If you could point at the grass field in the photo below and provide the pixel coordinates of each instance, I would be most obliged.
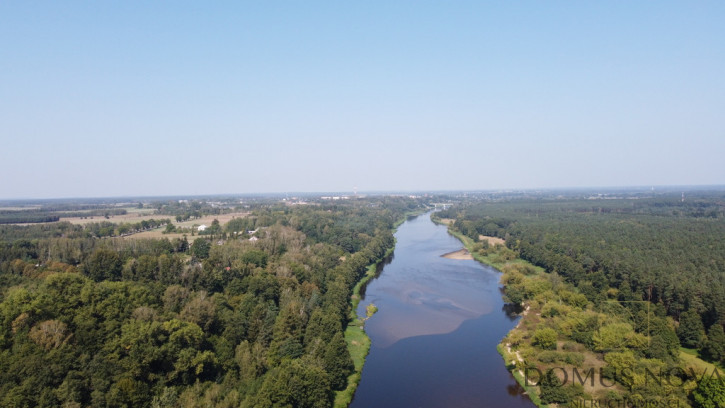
(134, 215)
(206, 220)
(690, 358)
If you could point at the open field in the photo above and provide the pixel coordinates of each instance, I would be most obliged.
(206, 220)
(492, 240)
(19, 208)
(691, 360)
(134, 215)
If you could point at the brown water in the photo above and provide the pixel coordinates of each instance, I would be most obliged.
(435, 333)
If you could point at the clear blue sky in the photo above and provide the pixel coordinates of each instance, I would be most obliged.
(173, 98)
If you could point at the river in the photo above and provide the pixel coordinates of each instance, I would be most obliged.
(435, 333)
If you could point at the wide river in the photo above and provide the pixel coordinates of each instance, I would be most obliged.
(435, 333)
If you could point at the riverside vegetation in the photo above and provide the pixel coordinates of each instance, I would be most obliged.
(631, 289)
(89, 318)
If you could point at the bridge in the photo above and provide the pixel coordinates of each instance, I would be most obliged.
(442, 206)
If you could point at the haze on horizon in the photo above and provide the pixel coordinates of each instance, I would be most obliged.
(144, 99)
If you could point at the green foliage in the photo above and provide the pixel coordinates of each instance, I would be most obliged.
(514, 294)
(323, 324)
(103, 264)
(255, 257)
(664, 344)
(604, 244)
(553, 391)
(629, 280)
(714, 347)
(146, 325)
(617, 336)
(200, 248)
(710, 393)
(295, 383)
(573, 359)
(691, 330)
(545, 338)
(337, 362)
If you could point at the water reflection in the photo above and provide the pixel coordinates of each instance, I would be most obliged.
(435, 334)
(424, 296)
(512, 311)
(516, 390)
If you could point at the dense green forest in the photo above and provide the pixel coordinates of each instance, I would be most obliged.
(217, 320)
(628, 281)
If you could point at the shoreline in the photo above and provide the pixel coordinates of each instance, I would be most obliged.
(461, 255)
(358, 341)
(510, 358)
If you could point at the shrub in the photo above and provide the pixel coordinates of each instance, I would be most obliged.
(545, 338)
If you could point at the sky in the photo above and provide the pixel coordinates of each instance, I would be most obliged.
(107, 99)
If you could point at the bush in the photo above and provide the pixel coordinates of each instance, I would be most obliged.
(548, 357)
(545, 338)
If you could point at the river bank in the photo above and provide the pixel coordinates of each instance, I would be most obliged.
(461, 255)
(512, 359)
(435, 334)
(358, 342)
(567, 329)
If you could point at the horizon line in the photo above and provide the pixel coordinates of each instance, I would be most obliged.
(623, 188)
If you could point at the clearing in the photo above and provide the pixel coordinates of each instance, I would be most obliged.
(492, 241)
(205, 220)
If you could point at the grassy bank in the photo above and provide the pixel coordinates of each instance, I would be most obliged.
(691, 358)
(406, 216)
(494, 259)
(358, 342)
(510, 361)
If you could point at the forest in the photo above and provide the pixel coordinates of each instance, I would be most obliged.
(628, 285)
(96, 319)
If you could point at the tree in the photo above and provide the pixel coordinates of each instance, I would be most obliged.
(215, 228)
(337, 362)
(154, 338)
(287, 336)
(710, 393)
(200, 248)
(552, 389)
(181, 244)
(514, 295)
(49, 334)
(103, 264)
(200, 310)
(545, 338)
(323, 324)
(714, 348)
(255, 257)
(691, 329)
(617, 336)
(296, 383)
(664, 343)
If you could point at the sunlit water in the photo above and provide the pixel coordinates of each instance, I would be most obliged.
(435, 333)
